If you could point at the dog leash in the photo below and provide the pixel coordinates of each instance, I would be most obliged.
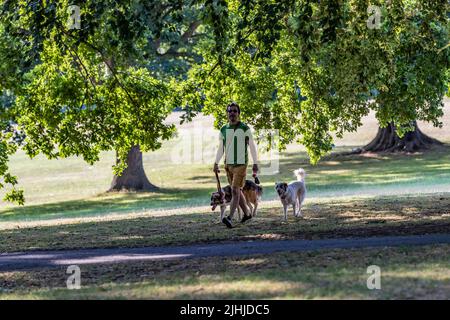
(219, 189)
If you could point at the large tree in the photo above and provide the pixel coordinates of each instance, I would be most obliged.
(303, 67)
(418, 76)
(309, 68)
(169, 57)
(388, 140)
(104, 86)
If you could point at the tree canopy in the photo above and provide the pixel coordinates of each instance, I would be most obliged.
(305, 68)
(104, 86)
(311, 68)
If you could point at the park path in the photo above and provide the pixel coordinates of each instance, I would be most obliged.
(41, 259)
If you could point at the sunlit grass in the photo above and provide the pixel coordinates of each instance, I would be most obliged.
(397, 174)
(323, 218)
(71, 188)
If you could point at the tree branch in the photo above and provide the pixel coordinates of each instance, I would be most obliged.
(108, 64)
(190, 31)
(173, 50)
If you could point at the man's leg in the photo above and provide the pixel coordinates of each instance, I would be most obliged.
(235, 192)
(243, 203)
(237, 178)
(255, 209)
(227, 220)
(250, 208)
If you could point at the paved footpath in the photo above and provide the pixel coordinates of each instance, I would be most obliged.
(41, 259)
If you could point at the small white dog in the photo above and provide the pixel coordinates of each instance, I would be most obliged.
(293, 193)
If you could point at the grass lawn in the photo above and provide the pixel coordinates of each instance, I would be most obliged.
(370, 195)
(323, 218)
(347, 196)
(406, 273)
(70, 188)
(334, 177)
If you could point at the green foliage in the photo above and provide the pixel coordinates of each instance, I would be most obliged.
(8, 147)
(305, 68)
(106, 86)
(63, 116)
(418, 77)
(317, 68)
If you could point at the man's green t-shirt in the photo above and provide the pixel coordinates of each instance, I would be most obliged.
(240, 132)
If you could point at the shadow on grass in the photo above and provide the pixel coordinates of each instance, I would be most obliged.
(350, 219)
(115, 202)
(407, 273)
(333, 176)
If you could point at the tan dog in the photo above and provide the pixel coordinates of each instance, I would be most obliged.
(251, 191)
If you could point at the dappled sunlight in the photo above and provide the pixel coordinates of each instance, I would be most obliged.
(323, 218)
(267, 236)
(106, 204)
(257, 289)
(207, 289)
(420, 272)
(334, 177)
(441, 166)
(337, 172)
(249, 262)
(440, 272)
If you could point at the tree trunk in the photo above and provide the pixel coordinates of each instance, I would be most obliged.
(133, 178)
(387, 140)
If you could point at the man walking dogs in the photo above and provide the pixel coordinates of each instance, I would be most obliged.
(234, 140)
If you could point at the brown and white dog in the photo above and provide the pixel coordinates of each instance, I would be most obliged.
(293, 193)
(251, 191)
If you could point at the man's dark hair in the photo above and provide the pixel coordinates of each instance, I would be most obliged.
(234, 104)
